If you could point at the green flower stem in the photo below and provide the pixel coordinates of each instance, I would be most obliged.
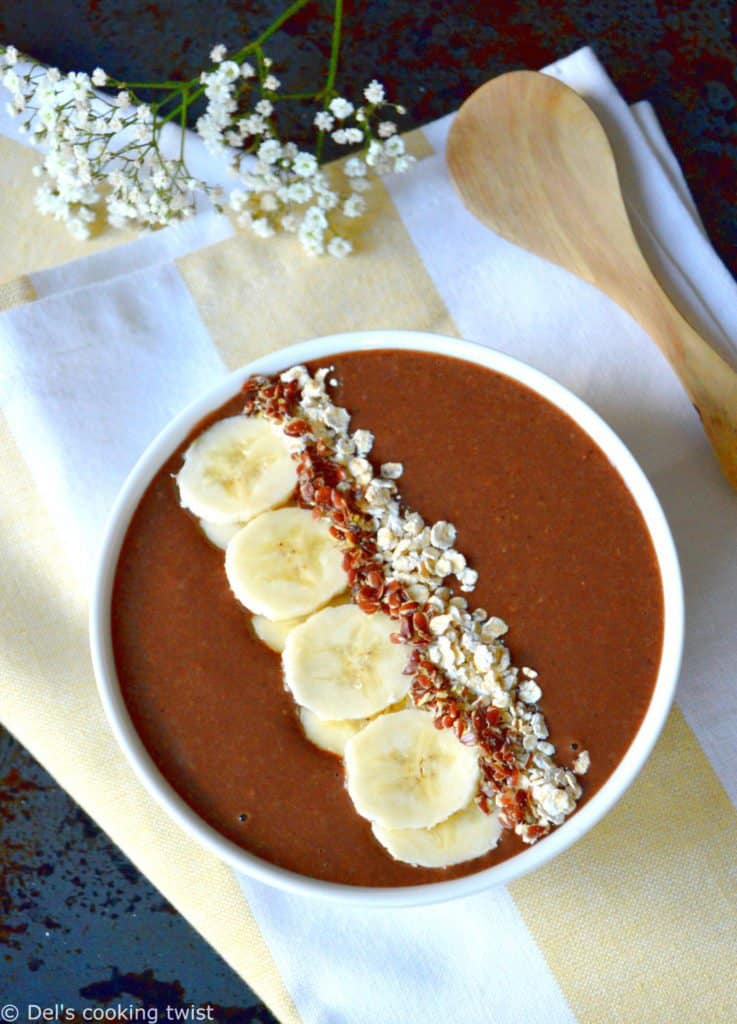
(302, 96)
(144, 85)
(183, 136)
(326, 93)
(334, 48)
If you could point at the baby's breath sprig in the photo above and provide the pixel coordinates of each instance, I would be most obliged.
(107, 150)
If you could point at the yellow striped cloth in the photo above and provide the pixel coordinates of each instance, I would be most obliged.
(636, 923)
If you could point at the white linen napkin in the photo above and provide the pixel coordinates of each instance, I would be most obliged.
(96, 366)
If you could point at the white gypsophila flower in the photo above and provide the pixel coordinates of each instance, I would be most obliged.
(394, 146)
(289, 222)
(81, 117)
(247, 70)
(327, 199)
(144, 133)
(313, 241)
(123, 99)
(80, 85)
(229, 71)
(252, 125)
(210, 130)
(386, 129)
(265, 108)
(305, 165)
(339, 247)
(354, 206)
(340, 135)
(11, 56)
(217, 53)
(315, 219)
(271, 83)
(353, 136)
(46, 93)
(300, 192)
(403, 164)
(220, 93)
(354, 167)
(78, 228)
(323, 121)
(374, 153)
(341, 108)
(11, 81)
(99, 77)
(374, 92)
(269, 151)
(312, 231)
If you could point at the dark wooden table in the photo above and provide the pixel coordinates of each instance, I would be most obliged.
(78, 923)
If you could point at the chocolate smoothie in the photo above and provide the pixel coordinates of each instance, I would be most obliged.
(563, 556)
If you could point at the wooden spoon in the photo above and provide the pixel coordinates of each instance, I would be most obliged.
(531, 160)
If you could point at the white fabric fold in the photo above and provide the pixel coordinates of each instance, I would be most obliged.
(88, 377)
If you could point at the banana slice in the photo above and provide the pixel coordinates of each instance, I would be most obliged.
(329, 735)
(219, 534)
(274, 634)
(284, 564)
(465, 835)
(402, 772)
(341, 663)
(235, 469)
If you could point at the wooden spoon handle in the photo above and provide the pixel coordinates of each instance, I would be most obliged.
(710, 382)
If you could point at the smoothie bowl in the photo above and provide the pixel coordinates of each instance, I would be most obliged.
(387, 618)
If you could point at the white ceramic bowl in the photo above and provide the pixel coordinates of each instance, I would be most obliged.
(561, 838)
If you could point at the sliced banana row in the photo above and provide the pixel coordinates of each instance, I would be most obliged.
(415, 783)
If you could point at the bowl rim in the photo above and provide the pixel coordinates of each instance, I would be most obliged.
(168, 439)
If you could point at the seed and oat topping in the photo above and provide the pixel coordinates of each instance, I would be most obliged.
(395, 562)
